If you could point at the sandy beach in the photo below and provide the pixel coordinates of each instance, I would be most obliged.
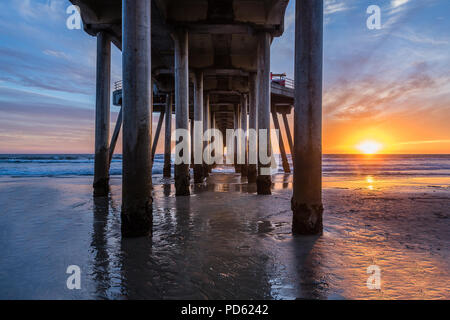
(226, 242)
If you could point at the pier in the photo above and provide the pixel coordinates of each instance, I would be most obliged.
(207, 63)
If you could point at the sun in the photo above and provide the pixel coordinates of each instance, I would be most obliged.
(369, 147)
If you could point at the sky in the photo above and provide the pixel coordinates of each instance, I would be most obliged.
(389, 85)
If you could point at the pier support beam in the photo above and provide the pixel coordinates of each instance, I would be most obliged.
(243, 111)
(181, 40)
(307, 194)
(157, 133)
(168, 137)
(102, 115)
(252, 124)
(191, 128)
(206, 126)
(284, 159)
(137, 126)
(237, 141)
(288, 134)
(213, 126)
(197, 138)
(115, 136)
(264, 180)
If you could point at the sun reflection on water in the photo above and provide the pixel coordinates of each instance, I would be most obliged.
(370, 180)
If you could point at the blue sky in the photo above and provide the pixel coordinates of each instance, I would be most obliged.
(390, 84)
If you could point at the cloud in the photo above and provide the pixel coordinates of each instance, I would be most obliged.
(374, 96)
(28, 69)
(400, 11)
(34, 122)
(289, 20)
(334, 6)
(415, 37)
(56, 54)
(398, 3)
(423, 142)
(37, 10)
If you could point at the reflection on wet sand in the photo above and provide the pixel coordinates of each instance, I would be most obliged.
(99, 245)
(226, 242)
(216, 246)
(195, 253)
(310, 283)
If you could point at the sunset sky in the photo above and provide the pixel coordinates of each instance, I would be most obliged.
(389, 86)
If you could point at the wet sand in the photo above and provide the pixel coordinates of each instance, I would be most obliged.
(225, 242)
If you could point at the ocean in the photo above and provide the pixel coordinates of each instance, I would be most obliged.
(54, 165)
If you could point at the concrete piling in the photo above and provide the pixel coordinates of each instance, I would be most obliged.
(137, 109)
(243, 113)
(168, 137)
(197, 137)
(307, 194)
(284, 158)
(191, 129)
(213, 126)
(115, 136)
(264, 180)
(237, 142)
(288, 133)
(252, 124)
(102, 115)
(181, 40)
(157, 133)
(206, 126)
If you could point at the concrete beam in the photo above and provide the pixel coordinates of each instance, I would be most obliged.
(181, 40)
(264, 181)
(102, 115)
(225, 72)
(157, 133)
(115, 135)
(168, 137)
(285, 162)
(237, 142)
(288, 133)
(252, 123)
(137, 127)
(206, 126)
(207, 28)
(244, 146)
(198, 127)
(307, 194)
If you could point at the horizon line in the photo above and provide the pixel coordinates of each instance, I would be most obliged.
(349, 154)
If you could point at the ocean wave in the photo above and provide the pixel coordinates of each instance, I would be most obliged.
(333, 165)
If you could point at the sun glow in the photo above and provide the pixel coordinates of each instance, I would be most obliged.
(369, 147)
(370, 180)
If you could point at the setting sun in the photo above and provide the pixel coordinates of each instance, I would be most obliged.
(369, 147)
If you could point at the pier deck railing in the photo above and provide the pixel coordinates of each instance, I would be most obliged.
(287, 82)
(118, 85)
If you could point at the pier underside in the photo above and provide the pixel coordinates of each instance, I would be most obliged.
(208, 63)
(222, 43)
